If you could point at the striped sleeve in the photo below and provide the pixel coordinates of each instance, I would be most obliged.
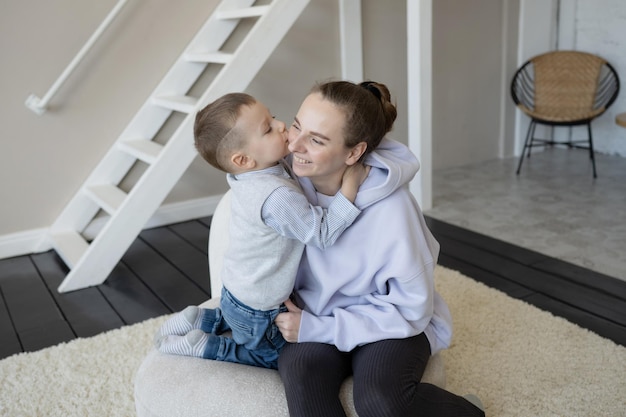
(290, 214)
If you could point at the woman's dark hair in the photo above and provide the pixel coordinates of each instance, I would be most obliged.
(370, 114)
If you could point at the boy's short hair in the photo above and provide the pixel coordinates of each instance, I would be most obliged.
(214, 135)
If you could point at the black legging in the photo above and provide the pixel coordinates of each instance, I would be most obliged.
(386, 381)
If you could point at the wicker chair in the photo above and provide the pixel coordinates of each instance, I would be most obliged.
(563, 88)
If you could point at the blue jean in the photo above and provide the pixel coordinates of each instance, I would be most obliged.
(255, 339)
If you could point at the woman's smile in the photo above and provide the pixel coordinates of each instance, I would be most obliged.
(300, 161)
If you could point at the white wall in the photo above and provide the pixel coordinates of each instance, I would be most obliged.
(45, 159)
(599, 27)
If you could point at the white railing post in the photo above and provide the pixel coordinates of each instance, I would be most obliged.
(39, 105)
(350, 34)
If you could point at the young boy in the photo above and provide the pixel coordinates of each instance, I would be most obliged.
(271, 221)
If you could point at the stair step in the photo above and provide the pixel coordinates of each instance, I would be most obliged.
(183, 104)
(70, 246)
(209, 57)
(107, 196)
(145, 150)
(254, 11)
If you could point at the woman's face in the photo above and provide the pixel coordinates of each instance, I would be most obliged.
(317, 143)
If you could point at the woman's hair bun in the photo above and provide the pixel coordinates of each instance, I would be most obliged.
(382, 93)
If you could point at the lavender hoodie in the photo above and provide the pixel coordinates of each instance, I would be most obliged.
(376, 281)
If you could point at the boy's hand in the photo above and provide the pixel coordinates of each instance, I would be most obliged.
(356, 174)
(353, 177)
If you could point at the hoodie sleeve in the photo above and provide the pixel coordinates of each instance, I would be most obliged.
(395, 154)
(396, 166)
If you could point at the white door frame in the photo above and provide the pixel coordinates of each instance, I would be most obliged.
(537, 34)
(419, 90)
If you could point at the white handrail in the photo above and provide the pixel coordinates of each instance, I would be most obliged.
(39, 105)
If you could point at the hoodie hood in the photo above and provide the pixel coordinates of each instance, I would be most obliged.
(393, 166)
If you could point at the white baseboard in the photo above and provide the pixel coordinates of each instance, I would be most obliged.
(21, 243)
(31, 241)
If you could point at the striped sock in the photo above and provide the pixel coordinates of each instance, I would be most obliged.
(192, 344)
(181, 324)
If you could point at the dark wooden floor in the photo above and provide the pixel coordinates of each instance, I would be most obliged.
(166, 269)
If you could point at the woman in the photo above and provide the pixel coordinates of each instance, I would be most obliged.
(366, 306)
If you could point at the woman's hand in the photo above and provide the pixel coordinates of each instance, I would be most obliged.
(289, 323)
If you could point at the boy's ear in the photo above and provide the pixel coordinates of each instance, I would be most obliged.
(356, 152)
(242, 161)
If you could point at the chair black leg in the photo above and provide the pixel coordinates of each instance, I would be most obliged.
(529, 134)
(532, 138)
(591, 152)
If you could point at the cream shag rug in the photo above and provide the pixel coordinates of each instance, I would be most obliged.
(519, 360)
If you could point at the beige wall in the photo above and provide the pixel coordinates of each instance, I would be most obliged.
(467, 82)
(44, 159)
(384, 53)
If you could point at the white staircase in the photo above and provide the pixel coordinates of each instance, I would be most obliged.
(91, 262)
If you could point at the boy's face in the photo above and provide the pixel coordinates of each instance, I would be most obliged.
(266, 137)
